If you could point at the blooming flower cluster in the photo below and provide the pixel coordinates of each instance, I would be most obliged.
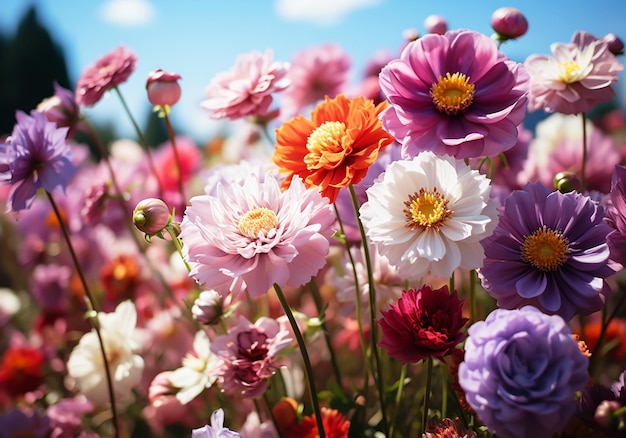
(406, 256)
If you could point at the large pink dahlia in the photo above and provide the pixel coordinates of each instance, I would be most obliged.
(454, 94)
(253, 235)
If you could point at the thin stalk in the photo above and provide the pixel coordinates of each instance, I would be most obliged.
(308, 369)
(584, 160)
(444, 392)
(142, 140)
(178, 246)
(605, 324)
(429, 377)
(394, 420)
(372, 301)
(90, 305)
(170, 133)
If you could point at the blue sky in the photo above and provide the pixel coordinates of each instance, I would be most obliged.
(200, 38)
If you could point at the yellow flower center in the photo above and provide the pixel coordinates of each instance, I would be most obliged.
(323, 144)
(453, 93)
(545, 249)
(426, 209)
(568, 71)
(257, 220)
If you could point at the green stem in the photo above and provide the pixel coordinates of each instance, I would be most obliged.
(444, 392)
(178, 246)
(372, 302)
(92, 309)
(271, 414)
(308, 369)
(429, 375)
(394, 420)
(181, 185)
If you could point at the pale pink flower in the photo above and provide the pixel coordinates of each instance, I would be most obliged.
(248, 353)
(315, 72)
(578, 76)
(246, 90)
(255, 235)
(109, 71)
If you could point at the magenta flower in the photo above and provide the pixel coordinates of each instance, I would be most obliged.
(454, 94)
(423, 323)
(254, 235)
(109, 71)
(616, 216)
(315, 72)
(163, 88)
(35, 156)
(248, 353)
(246, 90)
(578, 76)
(509, 23)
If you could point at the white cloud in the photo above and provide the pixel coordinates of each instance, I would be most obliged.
(128, 12)
(324, 12)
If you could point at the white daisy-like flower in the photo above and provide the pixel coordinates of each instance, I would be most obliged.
(198, 370)
(428, 215)
(86, 366)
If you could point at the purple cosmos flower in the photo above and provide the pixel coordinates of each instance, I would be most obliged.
(549, 250)
(454, 94)
(521, 371)
(616, 216)
(248, 353)
(35, 156)
(216, 429)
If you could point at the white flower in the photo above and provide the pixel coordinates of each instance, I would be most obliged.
(85, 364)
(428, 215)
(197, 372)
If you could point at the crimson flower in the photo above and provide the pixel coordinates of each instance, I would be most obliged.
(21, 370)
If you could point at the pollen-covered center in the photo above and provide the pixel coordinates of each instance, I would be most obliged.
(324, 143)
(569, 71)
(545, 249)
(426, 209)
(257, 220)
(453, 93)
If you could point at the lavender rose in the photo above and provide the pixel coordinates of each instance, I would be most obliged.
(521, 371)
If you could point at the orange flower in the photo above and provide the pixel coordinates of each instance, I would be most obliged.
(335, 426)
(335, 148)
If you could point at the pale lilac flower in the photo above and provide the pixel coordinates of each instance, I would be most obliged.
(616, 216)
(66, 417)
(50, 287)
(428, 215)
(248, 354)
(578, 76)
(521, 371)
(247, 89)
(315, 72)
(110, 70)
(454, 94)
(436, 24)
(35, 156)
(216, 429)
(254, 235)
(62, 109)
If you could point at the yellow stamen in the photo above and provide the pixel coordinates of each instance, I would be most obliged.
(426, 209)
(568, 71)
(259, 219)
(324, 140)
(452, 94)
(545, 249)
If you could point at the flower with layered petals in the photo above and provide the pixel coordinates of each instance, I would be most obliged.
(35, 156)
(521, 371)
(335, 148)
(454, 94)
(248, 354)
(21, 370)
(578, 76)
(110, 70)
(216, 429)
(423, 323)
(616, 216)
(254, 235)
(85, 364)
(247, 89)
(429, 214)
(549, 251)
(334, 423)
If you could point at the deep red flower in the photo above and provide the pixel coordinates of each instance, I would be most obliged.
(423, 323)
(21, 370)
(335, 426)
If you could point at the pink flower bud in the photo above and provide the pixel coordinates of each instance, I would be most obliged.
(604, 414)
(151, 215)
(509, 23)
(208, 307)
(436, 24)
(61, 108)
(616, 45)
(163, 88)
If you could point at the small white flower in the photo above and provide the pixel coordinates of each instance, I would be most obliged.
(85, 364)
(429, 214)
(197, 372)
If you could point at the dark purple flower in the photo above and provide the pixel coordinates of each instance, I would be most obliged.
(593, 396)
(616, 216)
(549, 250)
(454, 94)
(19, 423)
(35, 156)
(521, 371)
